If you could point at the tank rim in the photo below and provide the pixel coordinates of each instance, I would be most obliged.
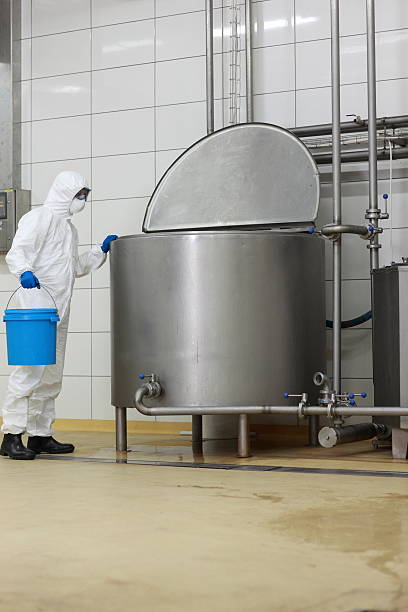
(212, 232)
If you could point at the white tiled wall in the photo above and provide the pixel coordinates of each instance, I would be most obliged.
(116, 90)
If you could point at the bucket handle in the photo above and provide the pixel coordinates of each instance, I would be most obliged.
(42, 287)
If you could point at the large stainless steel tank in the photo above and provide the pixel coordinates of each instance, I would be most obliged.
(224, 318)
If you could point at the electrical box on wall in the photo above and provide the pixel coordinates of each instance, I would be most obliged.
(14, 203)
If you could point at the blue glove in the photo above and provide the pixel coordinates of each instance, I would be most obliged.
(29, 281)
(107, 242)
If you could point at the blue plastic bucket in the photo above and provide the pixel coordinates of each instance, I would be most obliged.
(31, 335)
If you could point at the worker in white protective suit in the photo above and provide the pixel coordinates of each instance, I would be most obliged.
(45, 252)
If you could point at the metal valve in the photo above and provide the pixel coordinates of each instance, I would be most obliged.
(150, 377)
(152, 387)
(303, 396)
(385, 215)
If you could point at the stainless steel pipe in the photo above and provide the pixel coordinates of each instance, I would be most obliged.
(197, 433)
(331, 436)
(360, 156)
(244, 445)
(373, 211)
(209, 11)
(197, 424)
(148, 390)
(337, 208)
(121, 429)
(314, 426)
(249, 61)
(345, 228)
(350, 127)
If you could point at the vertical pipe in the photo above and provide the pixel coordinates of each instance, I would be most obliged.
(197, 433)
(336, 132)
(121, 429)
(197, 420)
(10, 94)
(210, 64)
(244, 445)
(249, 63)
(373, 210)
(314, 426)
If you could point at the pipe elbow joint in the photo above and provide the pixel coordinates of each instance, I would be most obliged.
(320, 379)
(148, 390)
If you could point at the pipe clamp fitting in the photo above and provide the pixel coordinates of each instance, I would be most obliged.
(153, 389)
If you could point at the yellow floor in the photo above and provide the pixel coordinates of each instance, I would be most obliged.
(104, 536)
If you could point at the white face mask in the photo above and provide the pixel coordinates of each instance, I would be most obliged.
(76, 206)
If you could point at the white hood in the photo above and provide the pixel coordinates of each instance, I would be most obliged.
(62, 192)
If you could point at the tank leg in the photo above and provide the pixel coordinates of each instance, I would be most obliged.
(314, 426)
(244, 444)
(121, 429)
(197, 434)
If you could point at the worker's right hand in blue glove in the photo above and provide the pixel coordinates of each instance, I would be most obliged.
(107, 242)
(29, 281)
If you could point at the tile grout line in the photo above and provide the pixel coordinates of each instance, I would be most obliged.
(155, 91)
(295, 57)
(91, 204)
(31, 96)
(155, 97)
(142, 20)
(200, 11)
(198, 101)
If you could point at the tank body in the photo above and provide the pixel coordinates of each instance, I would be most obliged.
(223, 318)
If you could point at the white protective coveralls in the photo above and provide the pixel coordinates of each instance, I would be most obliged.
(46, 243)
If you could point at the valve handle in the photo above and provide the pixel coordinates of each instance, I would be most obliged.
(385, 196)
(310, 230)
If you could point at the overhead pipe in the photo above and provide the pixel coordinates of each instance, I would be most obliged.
(337, 208)
(249, 61)
(209, 11)
(360, 156)
(350, 127)
(373, 212)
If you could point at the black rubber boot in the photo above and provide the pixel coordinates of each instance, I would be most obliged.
(13, 447)
(47, 444)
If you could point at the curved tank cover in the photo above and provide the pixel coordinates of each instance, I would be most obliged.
(252, 174)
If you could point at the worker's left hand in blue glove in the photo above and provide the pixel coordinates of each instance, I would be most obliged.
(107, 242)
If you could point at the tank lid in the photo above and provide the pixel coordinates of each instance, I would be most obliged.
(252, 174)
